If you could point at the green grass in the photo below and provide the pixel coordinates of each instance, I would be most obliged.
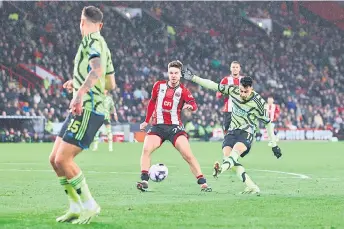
(31, 197)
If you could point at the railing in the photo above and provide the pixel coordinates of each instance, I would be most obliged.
(21, 80)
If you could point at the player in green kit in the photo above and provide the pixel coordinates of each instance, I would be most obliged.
(248, 108)
(109, 109)
(93, 73)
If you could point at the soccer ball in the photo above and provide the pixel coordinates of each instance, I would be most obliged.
(158, 172)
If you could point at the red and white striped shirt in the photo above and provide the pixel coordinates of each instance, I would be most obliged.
(228, 80)
(166, 103)
(273, 112)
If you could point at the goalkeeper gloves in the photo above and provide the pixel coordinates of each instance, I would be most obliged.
(187, 74)
(277, 151)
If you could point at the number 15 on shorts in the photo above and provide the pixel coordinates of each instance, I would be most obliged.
(74, 126)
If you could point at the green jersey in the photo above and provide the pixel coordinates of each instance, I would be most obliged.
(109, 106)
(245, 113)
(93, 45)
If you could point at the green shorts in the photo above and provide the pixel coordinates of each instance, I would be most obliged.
(235, 136)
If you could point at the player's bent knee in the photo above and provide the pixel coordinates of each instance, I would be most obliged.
(52, 159)
(53, 153)
(151, 143)
(147, 150)
(59, 162)
(65, 154)
(226, 150)
(183, 146)
(240, 147)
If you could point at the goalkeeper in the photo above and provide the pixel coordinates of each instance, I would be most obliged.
(248, 108)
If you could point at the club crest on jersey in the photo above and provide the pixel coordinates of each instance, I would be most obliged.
(177, 94)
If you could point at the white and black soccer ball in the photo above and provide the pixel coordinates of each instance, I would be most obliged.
(158, 172)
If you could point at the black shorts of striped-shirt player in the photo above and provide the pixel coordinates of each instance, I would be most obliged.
(235, 136)
(167, 132)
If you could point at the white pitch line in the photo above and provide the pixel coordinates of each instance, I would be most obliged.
(20, 163)
(299, 175)
(295, 175)
(47, 170)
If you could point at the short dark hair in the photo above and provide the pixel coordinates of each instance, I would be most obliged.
(175, 64)
(93, 14)
(246, 81)
(235, 62)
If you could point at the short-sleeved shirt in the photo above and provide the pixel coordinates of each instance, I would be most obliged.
(92, 45)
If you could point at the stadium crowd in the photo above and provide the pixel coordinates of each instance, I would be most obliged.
(301, 64)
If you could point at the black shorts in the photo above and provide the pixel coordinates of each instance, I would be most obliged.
(167, 132)
(227, 118)
(81, 130)
(107, 122)
(234, 136)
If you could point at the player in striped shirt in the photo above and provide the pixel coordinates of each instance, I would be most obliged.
(167, 101)
(232, 79)
(109, 110)
(248, 108)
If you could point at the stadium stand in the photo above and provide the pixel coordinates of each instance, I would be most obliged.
(300, 63)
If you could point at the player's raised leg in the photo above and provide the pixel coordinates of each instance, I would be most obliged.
(227, 145)
(230, 160)
(240, 149)
(151, 143)
(74, 200)
(217, 166)
(181, 143)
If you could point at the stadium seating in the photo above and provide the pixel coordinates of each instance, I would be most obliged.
(303, 72)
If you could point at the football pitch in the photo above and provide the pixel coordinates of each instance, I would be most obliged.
(303, 189)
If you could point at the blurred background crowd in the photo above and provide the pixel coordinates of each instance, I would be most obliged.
(300, 62)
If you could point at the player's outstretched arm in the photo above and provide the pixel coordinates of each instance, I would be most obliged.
(262, 108)
(224, 89)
